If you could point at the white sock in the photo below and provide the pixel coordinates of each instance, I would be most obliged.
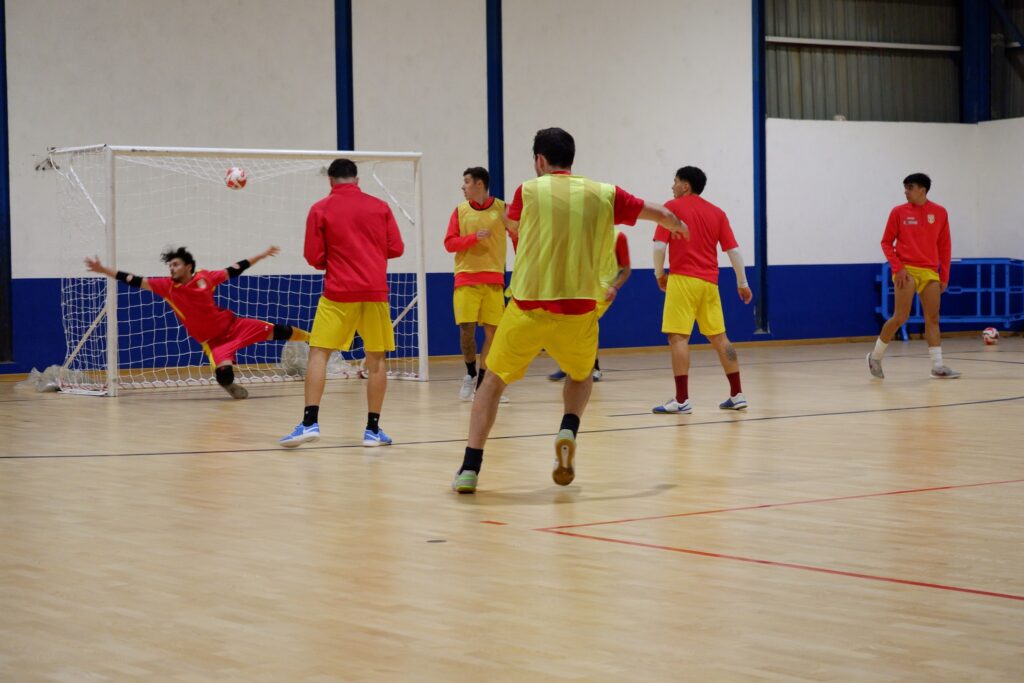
(879, 351)
(936, 353)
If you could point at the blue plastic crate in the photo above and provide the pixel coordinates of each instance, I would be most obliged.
(981, 290)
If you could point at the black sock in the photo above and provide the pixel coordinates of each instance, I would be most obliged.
(310, 416)
(372, 422)
(597, 364)
(472, 460)
(471, 368)
(572, 422)
(480, 377)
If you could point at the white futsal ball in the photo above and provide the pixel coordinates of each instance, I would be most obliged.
(990, 335)
(235, 178)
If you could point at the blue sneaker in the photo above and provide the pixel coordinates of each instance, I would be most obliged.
(378, 439)
(556, 376)
(300, 435)
(737, 402)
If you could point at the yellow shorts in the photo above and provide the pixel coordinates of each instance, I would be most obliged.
(336, 323)
(570, 339)
(481, 304)
(602, 307)
(689, 299)
(922, 277)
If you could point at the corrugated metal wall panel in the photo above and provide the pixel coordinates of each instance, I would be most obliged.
(817, 82)
(863, 85)
(1007, 65)
(933, 22)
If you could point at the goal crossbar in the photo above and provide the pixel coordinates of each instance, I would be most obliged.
(127, 225)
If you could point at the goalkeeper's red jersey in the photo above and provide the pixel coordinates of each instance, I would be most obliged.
(193, 303)
(351, 235)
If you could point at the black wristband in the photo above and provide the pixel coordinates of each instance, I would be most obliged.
(238, 269)
(129, 279)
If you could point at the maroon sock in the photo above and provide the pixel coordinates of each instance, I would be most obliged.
(734, 383)
(682, 393)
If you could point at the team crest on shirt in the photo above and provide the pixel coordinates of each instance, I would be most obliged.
(492, 214)
(931, 218)
(201, 283)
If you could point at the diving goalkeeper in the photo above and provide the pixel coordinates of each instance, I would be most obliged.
(189, 293)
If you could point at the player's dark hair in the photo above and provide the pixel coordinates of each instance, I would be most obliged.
(478, 173)
(694, 176)
(556, 145)
(919, 179)
(180, 252)
(342, 169)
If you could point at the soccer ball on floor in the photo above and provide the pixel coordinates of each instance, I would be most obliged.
(235, 178)
(990, 335)
(295, 358)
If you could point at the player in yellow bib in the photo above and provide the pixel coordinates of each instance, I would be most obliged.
(476, 235)
(565, 227)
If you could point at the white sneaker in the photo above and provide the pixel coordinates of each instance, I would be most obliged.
(596, 375)
(673, 406)
(944, 372)
(467, 388)
(737, 402)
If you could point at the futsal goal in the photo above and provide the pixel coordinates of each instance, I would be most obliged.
(129, 204)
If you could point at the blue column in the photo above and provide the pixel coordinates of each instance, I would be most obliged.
(6, 349)
(495, 102)
(976, 63)
(760, 282)
(343, 74)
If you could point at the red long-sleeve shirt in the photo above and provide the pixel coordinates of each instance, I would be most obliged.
(455, 241)
(918, 236)
(351, 235)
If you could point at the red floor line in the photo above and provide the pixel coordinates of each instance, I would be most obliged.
(778, 505)
(790, 565)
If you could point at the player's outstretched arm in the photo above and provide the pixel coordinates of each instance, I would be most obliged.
(239, 267)
(93, 264)
(662, 216)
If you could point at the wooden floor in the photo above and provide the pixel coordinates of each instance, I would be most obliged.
(841, 529)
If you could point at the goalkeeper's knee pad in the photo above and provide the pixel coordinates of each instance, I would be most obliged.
(225, 375)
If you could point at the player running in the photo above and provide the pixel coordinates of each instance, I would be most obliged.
(189, 293)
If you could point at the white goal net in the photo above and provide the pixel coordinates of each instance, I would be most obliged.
(127, 205)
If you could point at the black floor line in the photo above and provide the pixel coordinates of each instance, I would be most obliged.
(462, 440)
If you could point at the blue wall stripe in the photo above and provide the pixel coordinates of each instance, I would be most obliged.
(975, 63)
(343, 74)
(761, 281)
(495, 101)
(6, 323)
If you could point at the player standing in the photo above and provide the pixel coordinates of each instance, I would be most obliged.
(691, 288)
(476, 235)
(917, 245)
(190, 295)
(351, 235)
(565, 226)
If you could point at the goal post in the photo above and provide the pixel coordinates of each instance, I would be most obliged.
(127, 205)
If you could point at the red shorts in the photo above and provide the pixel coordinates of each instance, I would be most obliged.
(242, 332)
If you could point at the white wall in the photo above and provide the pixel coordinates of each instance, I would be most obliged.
(1000, 182)
(420, 71)
(217, 73)
(643, 89)
(831, 186)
